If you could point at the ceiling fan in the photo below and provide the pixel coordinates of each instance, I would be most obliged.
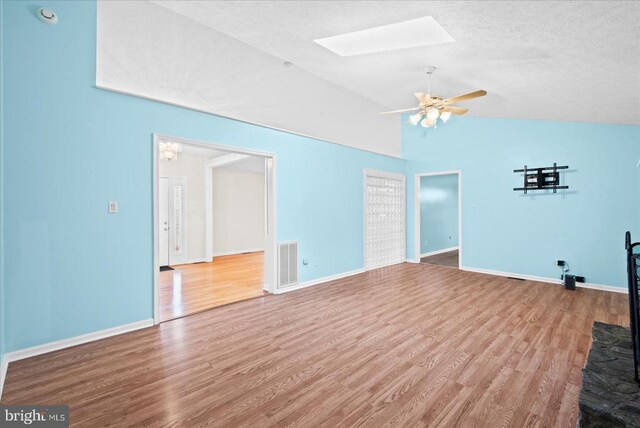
(431, 107)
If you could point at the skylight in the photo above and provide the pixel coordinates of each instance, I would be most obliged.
(407, 34)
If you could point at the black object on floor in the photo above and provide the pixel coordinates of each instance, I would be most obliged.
(165, 268)
(569, 282)
(609, 396)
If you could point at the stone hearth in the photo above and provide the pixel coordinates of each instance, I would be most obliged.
(609, 395)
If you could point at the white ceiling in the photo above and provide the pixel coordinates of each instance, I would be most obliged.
(568, 61)
(250, 163)
(202, 152)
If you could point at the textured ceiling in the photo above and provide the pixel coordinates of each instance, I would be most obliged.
(568, 61)
(146, 50)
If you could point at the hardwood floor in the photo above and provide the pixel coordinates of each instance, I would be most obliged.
(192, 288)
(408, 345)
(450, 258)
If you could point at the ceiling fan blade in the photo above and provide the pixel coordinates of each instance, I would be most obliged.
(400, 111)
(422, 97)
(455, 110)
(469, 96)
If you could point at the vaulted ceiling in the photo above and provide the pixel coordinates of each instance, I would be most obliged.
(567, 61)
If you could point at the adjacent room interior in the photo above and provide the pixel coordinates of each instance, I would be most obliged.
(440, 218)
(211, 210)
(326, 213)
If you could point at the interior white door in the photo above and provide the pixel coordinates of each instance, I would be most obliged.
(269, 282)
(163, 221)
(177, 198)
(384, 210)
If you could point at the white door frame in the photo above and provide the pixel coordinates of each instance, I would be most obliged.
(382, 174)
(417, 239)
(270, 265)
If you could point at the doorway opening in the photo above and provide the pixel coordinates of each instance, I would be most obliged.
(438, 236)
(214, 226)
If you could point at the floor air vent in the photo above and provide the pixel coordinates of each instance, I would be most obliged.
(287, 264)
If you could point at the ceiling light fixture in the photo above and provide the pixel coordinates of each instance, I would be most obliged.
(401, 35)
(431, 106)
(169, 151)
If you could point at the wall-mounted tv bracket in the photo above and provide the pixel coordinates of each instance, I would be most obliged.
(541, 178)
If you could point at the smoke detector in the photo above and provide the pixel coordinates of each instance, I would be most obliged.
(47, 16)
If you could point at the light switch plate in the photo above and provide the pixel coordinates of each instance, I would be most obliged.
(113, 207)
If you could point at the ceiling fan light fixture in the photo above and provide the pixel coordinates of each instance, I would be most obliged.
(445, 115)
(432, 114)
(427, 123)
(415, 118)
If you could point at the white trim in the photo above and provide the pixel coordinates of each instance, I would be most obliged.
(589, 285)
(158, 100)
(366, 172)
(416, 218)
(609, 288)
(412, 261)
(77, 340)
(512, 275)
(270, 267)
(319, 281)
(4, 366)
(384, 174)
(231, 253)
(156, 235)
(433, 253)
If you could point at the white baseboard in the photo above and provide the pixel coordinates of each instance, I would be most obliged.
(433, 253)
(4, 365)
(198, 260)
(318, 281)
(232, 253)
(412, 261)
(77, 340)
(610, 288)
(512, 275)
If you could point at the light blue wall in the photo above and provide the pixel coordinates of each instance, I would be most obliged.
(438, 212)
(2, 300)
(507, 231)
(71, 268)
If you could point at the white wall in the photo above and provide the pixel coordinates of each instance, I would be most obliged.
(238, 211)
(191, 166)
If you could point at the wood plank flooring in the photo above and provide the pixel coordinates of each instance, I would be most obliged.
(407, 345)
(192, 288)
(450, 258)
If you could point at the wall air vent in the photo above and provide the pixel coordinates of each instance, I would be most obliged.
(287, 264)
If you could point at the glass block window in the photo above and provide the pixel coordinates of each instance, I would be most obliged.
(384, 220)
